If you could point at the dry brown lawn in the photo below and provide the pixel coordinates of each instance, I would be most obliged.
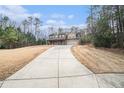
(100, 60)
(11, 60)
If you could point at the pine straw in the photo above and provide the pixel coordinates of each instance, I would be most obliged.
(100, 60)
(11, 60)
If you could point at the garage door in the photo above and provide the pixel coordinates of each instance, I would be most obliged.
(72, 42)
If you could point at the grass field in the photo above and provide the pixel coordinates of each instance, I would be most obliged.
(100, 60)
(11, 60)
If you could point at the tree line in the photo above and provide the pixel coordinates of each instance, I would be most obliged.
(25, 34)
(106, 25)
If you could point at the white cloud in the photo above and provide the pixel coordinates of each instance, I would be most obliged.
(16, 13)
(50, 21)
(19, 13)
(81, 26)
(61, 16)
(70, 16)
(55, 22)
(57, 16)
(46, 27)
(61, 22)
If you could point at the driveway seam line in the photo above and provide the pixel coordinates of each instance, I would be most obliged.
(75, 76)
(49, 77)
(30, 79)
(2, 84)
(58, 65)
(97, 81)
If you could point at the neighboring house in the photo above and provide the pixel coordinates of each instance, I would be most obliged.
(64, 38)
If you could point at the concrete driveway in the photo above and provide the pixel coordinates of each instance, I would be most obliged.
(57, 67)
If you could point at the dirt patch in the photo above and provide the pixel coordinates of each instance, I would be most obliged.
(100, 60)
(11, 60)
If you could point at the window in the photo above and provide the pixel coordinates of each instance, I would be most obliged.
(63, 35)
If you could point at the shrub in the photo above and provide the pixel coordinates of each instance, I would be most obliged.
(102, 40)
(41, 42)
(85, 39)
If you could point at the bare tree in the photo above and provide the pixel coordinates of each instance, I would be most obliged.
(30, 19)
(37, 24)
(24, 23)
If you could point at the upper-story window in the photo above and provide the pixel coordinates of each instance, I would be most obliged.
(50, 36)
(60, 36)
(78, 35)
(63, 35)
(70, 36)
(56, 36)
